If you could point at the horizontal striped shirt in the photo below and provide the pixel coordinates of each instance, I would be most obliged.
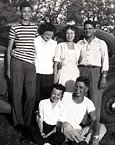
(23, 36)
(2, 56)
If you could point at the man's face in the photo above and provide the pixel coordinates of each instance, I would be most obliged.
(80, 89)
(26, 13)
(47, 35)
(70, 35)
(89, 30)
(56, 95)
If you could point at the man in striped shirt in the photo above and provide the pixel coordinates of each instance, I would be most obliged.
(21, 68)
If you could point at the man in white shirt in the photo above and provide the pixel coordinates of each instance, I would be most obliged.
(45, 49)
(76, 105)
(49, 111)
(94, 63)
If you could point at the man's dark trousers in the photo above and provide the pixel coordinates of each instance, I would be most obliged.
(23, 77)
(95, 93)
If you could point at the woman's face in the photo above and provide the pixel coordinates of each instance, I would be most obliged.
(47, 35)
(70, 35)
(56, 95)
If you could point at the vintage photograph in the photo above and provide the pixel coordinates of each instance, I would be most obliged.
(57, 72)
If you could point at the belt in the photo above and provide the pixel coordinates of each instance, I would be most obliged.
(88, 66)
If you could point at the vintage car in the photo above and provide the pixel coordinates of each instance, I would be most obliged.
(108, 100)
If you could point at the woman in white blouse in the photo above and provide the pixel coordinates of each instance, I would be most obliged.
(67, 54)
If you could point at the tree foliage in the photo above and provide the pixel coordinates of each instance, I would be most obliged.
(102, 12)
(74, 10)
(50, 10)
(59, 11)
(8, 12)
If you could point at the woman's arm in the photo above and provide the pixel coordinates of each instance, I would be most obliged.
(39, 121)
(55, 71)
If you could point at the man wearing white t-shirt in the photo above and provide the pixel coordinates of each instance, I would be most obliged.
(76, 105)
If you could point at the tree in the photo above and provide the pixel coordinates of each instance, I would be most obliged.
(100, 11)
(74, 10)
(8, 12)
(50, 10)
(59, 11)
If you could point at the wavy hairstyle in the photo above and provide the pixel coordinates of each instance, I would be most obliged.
(72, 27)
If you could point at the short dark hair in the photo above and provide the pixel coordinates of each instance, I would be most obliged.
(84, 80)
(90, 22)
(58, 87)
(72, 27)
(25, 4)
(47, 26)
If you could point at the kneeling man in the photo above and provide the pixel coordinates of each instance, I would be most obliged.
(76, 105)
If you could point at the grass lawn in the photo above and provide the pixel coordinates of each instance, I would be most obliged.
(9, 136)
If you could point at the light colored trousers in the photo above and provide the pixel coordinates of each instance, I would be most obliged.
(77, 135)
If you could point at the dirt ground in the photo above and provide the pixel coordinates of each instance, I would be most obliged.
(8, 136)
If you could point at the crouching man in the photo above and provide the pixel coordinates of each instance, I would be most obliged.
(76, 105)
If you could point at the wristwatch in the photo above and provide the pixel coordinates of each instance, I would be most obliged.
(104, 75)
(96, 136)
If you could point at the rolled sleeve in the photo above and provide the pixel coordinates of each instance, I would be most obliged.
(57, 55)
(104, 56)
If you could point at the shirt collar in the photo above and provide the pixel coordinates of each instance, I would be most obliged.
(58, 103)
(94, 40)
(24, 24)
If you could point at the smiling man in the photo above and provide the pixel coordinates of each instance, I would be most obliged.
(21, 67)
(76, 105)
(94, 64)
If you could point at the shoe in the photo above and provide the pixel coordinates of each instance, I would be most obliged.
(19, 127)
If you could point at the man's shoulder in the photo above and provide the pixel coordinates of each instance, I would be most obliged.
(100, 41)
(80, 42)
(18, 24)
(15, 25)
(86, 99)
(89, 103)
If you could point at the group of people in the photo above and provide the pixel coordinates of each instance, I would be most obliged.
(62, 81)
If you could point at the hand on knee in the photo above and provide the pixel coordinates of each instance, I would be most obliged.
(66, 127)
